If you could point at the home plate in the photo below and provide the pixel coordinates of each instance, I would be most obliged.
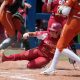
(16, 76)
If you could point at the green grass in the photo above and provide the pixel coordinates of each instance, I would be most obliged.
(10, 51)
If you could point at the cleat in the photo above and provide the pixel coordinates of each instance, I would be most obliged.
(76, 67)
(48, 72)
(72, 61)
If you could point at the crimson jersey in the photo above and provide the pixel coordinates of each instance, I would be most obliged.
(54, 5)
(44, 6)
(47, 44)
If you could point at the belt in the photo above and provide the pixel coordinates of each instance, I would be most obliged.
(46, 55)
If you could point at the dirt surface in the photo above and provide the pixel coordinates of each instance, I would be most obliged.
(16, 70)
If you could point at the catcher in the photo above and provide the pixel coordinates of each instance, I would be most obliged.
(11, 21)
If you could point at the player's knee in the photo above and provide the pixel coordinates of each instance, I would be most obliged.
(30, 66)
(33, 66)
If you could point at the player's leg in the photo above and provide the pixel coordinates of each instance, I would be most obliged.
(5, 43)
(25, 55)
(38, 62)
(52, 67)
(69, 53)
(6, 21)
(69, 31)
(18, 21)
(73, 48)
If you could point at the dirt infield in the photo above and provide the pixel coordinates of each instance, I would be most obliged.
(16, 70)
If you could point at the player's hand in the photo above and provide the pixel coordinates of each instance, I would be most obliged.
(25, 35)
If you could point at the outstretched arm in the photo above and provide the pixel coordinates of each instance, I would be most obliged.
(29, 34)
(39, 34)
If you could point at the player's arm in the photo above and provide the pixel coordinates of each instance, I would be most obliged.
(39, 34)
(29, 34)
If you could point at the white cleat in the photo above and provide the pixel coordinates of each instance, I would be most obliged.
(48, 72)
(76, 67)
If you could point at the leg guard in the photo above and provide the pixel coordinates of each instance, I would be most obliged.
(7, 42)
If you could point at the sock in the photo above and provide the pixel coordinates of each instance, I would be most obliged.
(55, 59)
(71, 55)
(54, 62)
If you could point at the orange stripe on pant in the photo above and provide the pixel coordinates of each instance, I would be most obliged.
(6, 21)
(70, 30)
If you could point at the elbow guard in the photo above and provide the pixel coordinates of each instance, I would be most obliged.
(64, 10)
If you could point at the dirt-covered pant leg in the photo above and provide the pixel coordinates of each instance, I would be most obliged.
(70, 30)
(34, 56)
(38, 62)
